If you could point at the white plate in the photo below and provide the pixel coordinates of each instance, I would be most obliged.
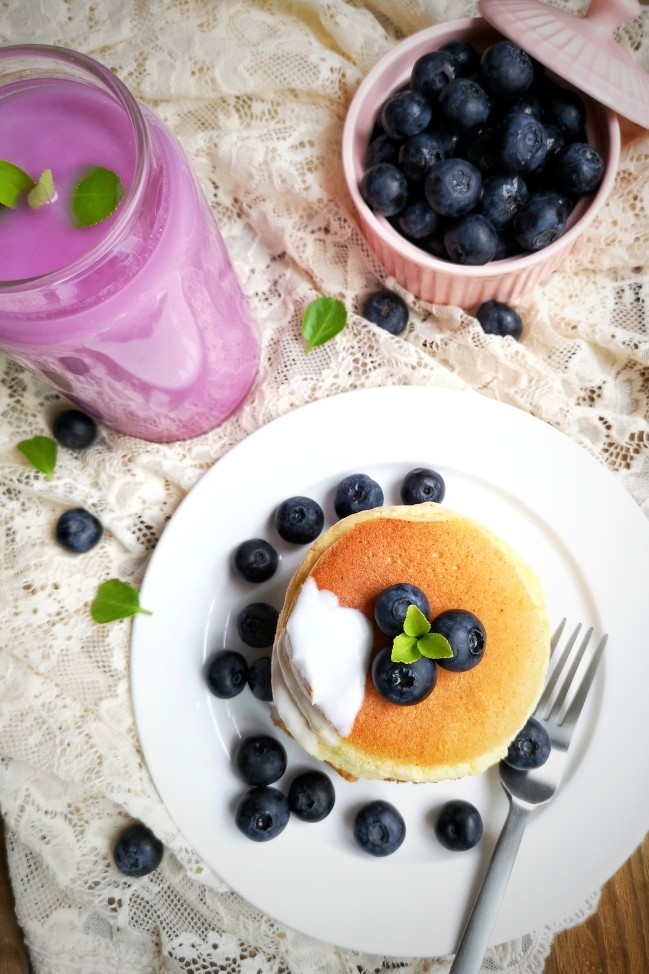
(562, 510)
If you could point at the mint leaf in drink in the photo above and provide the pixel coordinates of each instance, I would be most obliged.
(116, 600)
(323, 319)
(41, 452)
(43, 192)
(96, 196)
(14, 183)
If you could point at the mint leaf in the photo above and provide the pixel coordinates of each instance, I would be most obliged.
(415, 624)
(14, 183)
(323, 319)
(434, 646)
(96, 196)
(405, 649)
(116, 600)
(43, 191)
(41, 452)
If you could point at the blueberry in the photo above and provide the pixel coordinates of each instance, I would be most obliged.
(578, 168)
(432, 72)
(74, 429)
(256, 624)
(507, 69)
(502, 197)
(384, 188)
(458, 825)
(78, 530)
(453, 187)
(358, 492)
(388, 310)
(379, 828)
(391, 606)
(522, 143)
(497, 318)
(417, 221)
(467, 637)
(227, 673)
(472, 240)
(262, 814)
(260, 759)
(542, 220)
(259, 679)
(405, 114)
(137, 851)
(465, 56)
(422, 484)
(418, 154)
(311, 796)
(530, 748)
(565, 109)
(255, 560)
(447, 136)
(403, 683)
(382, 149)
(299, 520)
(465, 104)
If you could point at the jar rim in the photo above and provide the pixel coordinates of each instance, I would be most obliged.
(130, 204)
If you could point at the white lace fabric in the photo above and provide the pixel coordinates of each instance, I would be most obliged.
(257, 91)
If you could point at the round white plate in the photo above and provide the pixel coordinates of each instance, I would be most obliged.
(565, 514)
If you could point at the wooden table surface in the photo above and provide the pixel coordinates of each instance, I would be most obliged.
(613, 941)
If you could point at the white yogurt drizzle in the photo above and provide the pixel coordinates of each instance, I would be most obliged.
(330, 648)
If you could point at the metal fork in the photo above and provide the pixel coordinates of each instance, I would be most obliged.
(528, 789)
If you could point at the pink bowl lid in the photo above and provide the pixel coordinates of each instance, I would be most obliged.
(582, 50)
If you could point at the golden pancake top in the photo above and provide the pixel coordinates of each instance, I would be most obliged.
(470, 717)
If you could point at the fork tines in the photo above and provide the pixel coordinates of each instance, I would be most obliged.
(549, 707)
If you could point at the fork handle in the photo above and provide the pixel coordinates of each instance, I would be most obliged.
(475, 937)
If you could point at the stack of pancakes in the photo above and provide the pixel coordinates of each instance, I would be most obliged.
(470, 717)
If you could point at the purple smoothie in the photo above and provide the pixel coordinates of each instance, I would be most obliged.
(139, 319)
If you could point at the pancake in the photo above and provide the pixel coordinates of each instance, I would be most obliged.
(321, 663)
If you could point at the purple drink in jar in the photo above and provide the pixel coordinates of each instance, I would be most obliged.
(139, 319)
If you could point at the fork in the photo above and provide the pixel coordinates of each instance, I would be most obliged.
(528, 789)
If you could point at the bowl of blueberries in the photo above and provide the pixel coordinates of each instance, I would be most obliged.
(473, 168)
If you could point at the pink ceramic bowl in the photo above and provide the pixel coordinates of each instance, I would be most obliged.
(427, 277)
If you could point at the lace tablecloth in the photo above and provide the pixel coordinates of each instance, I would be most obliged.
(257, 91)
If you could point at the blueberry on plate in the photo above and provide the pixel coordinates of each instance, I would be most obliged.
(379, 828)
(391, 606)
(259, 678)
(458, 826)
(311, 796)
(260, 759)
(578, 168)
(74, 429)
(137, 851)
(227, 673)
(432, 72)
(404, 684)
(255, 560)
(384, 188)
(472, 240)
(387, 310)
(262, 814)
(78, 530)
(530, 748)
(508, 70)
(453, 187)
(299, 520)
(466, 635)
(497, 318)
(465, 104)
(542, 220)
(406, 114)
(256, 624)
(422, 484)
(357, 492)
